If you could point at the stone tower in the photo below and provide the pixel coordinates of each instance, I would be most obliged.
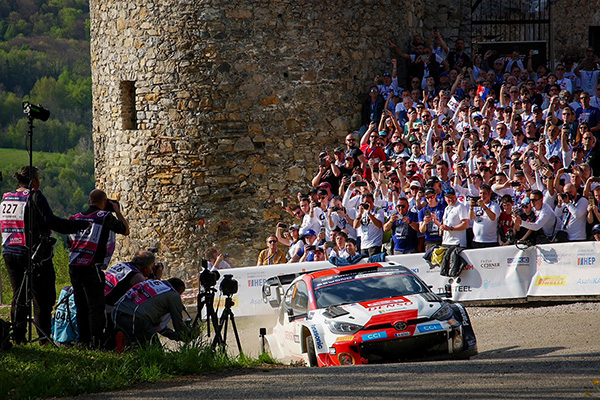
(208, 112)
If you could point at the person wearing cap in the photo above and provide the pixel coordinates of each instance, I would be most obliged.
(306, 252)
(543, 227)
(389, 81)
(272, 254)
(596, 233)
(327, 172)
(369, 225)
(291, 239)
(484, 213)
(404, 225)
(435, 183)
(429, 216)
(455, 221)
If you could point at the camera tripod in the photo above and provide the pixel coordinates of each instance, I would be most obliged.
(226, 316)
(35, 256)
(207, 298)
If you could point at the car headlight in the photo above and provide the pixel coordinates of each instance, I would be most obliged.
(342, 328)
(444, 313)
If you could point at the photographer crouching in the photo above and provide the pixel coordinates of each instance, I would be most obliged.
(26, 221)
(146, 309)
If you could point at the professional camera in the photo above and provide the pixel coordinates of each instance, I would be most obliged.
(36, 112)
(110, 208)
(228, 286)
(208, 278)
(43, 251)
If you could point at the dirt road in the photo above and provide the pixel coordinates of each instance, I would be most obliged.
(548, 352)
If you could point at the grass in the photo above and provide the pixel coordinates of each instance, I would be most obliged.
(34, 371)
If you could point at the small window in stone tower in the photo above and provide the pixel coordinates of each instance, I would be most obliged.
(128, 111)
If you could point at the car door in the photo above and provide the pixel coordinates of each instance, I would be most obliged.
(296, 300)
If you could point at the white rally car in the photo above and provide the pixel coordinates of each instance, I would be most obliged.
(367, 313)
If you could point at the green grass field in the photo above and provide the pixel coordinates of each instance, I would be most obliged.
(15, 158)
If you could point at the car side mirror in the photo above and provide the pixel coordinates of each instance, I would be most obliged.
(272, 292)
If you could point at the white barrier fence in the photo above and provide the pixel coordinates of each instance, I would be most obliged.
(498, 273)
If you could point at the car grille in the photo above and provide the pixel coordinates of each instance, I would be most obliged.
(405, 348)
(389, 325)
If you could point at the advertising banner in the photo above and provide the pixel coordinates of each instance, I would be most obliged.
(497, 273)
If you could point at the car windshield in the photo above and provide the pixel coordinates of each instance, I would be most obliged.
(382, 284)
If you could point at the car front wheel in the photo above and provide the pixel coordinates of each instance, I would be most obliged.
(310, 350)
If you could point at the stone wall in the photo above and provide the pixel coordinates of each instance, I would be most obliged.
(571, 22)
(233, 102)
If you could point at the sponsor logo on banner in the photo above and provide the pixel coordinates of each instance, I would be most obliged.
(551, 281)
(517, 261)
(374, 336)
(586, 261)
(588, 281)
(429, 328)
(487, 285)
(468, 267)
(344, 338)
(316, 337)
(402, 334)
(489, 264)
(256, 282)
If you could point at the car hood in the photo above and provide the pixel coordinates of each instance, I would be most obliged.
(402, 308)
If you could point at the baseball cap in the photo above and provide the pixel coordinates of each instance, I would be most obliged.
(596, 228)
(415, 184)
(430, 190)
(449, 192)
(525, 201)
(382, 133)
(294, 227)
(444, 74)
(325, 184)
(309, 232)
(322, 154)
(432, 181)
(338, 150)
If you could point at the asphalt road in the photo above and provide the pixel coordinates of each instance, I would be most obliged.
(524, 353)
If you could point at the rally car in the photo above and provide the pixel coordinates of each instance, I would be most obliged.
(367, 313)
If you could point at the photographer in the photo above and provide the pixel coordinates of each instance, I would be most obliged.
(572, 211)
(369, 224)
(146, 309)
(123, 276)
(545, 222)
(91, 251)
(484, 214)
(26, 222)
(215, 259)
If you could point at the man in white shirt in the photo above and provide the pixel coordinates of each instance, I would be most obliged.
(545, 221)
(484, 213)
(572, 212)
(455, 221)
(369, 224)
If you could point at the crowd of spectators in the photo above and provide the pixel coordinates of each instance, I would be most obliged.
(474, 151)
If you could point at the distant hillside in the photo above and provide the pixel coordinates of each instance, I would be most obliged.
(45, 59)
